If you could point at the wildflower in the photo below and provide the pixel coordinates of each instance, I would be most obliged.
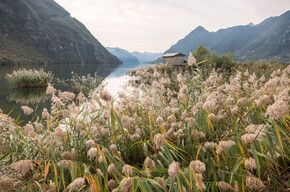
(250, 164)
(28, 128)
(224, 146)
(26, 110)
(113, 148)
(76, 184)
(224, 186)
(66, 155)
(173, 169)
(111, 168)
(90, 143)
(254, 183)
(22, 166)
(248, 138)
(127, 169)
(197, 166)
(92, 153)
(149, 163)
(126, 184)
(161, 182)
(45, 114)
(112, 183)
(158, 140)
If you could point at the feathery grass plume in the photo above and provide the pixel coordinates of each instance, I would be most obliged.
(105, 95)
(173, 169)
(67, 155)
(113, 148)
(76, 184)
(92, 153)
(126, 184)
(248, 138)
(199, 184)
(149, 163)
(225, 146)
(111, 168)
(250, 164)
(65, 163)
(100, 159)
(10, 184)
(22, 166)
(161, 182)
(28, 128)
(50, 89)
(112, 184)
(224, 186)
(45, 114)
(254, 183)
(158, 140)
(127, 170)
(26, 110)
(90, 143)
(278, 109)
(159, 120)
(197, 166)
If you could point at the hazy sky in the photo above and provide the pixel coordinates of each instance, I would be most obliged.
(155, 25)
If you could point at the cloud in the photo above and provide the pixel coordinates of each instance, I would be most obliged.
(150, 25)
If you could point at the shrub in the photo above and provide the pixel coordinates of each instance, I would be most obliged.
(29, 78)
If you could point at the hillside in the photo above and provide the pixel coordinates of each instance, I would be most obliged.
(269, 40)
(41, 31)
(123, 55)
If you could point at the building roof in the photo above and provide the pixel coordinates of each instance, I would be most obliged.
(173, 54)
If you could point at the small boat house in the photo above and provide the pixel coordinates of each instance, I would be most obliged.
(175, 59)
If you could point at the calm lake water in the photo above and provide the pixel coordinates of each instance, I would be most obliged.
(12, 99)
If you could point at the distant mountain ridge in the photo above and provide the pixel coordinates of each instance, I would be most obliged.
(269, 40)
(124, 55)
(41, 31)
(146, 57)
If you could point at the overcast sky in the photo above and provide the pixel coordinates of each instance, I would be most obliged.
(155, 25)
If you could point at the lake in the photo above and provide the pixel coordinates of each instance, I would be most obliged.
(11, 99)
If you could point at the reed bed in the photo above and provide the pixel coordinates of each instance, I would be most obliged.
(172, 132)
(29, 78)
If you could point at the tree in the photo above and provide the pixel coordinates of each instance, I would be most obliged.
(201, 53)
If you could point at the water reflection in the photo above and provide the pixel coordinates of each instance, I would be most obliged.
(12, 99)
(28, 96)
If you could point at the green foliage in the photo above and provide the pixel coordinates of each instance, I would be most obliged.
(29, 78)
(85, 84)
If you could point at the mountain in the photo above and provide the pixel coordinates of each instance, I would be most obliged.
(146, 57)
(269, 40)
(41, 31)
(123, 55)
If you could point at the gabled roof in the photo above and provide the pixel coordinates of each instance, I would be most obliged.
(173, 54)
